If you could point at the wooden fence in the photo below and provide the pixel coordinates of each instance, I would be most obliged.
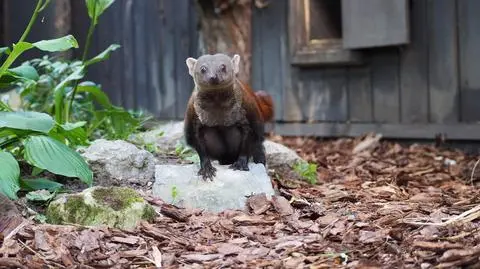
(427, 86)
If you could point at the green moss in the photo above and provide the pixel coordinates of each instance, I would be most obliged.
(116, 197)
(114, 207)
(149, 213)
(77, 211)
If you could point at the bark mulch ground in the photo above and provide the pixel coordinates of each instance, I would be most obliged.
(375, 205)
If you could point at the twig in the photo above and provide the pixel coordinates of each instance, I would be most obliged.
(466, 216)
(473, 171)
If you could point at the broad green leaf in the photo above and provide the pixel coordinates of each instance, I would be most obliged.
(25, 71)
(39, 184)
(4, 50)
(96, 92)
(96, 8)
(103, 55)
(57, 44)
(73, 132)
(52, 155)
(9, 173)
(27, 120)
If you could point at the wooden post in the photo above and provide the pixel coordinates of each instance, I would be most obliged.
(225, 27)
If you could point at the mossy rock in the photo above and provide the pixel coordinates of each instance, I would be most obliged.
(118, 207)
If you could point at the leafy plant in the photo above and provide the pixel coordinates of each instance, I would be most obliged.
(37, 139)
(186, 153)
(31, 136)
(308, 171)
(54, 83)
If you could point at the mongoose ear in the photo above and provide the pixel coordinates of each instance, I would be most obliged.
(190, 64)
(236, 63)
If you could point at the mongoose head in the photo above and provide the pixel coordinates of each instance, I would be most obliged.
(213, 71)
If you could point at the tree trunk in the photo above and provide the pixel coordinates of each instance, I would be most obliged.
(225, 27)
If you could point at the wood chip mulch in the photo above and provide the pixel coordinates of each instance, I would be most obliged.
(375, 205)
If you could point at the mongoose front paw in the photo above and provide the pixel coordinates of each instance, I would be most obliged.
(240, 164)
(207, 172)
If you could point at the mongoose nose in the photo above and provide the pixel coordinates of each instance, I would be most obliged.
(213, 79)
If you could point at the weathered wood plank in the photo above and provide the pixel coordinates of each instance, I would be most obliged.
(116, 60)
(459, 131)
(360, 99)
(184, 81)
(139, 56)
(374, 23)
(385, 85)
(268, 63)
(469, 42)
(414, 68)
(443, 59)
(154, 50)
(166, 103)
(322, 94)
(335, 89)
(128, 52)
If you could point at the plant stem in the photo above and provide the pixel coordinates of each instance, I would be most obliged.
(84, 57)
(31, 22)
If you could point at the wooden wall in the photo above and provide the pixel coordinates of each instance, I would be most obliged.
(430, 86)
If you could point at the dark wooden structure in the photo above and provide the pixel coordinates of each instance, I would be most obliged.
(405, 68)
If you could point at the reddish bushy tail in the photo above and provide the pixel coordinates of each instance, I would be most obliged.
(265, 102)
(262, 99)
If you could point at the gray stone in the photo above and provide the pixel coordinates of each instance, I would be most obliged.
(119, 161)
(279, 155)
(227, 190)
(118, 207)
(165, 137)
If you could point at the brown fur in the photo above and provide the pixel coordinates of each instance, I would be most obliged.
(224, 119)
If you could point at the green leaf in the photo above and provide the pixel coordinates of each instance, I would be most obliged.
(73, 132)
(4, 107)
(57, 44)
(52, 155)
(27, 120)
(18, 49)
(39, 184)
(103, 55)
(94, 11)
(9, 173)
(25, 71)
(96, 92)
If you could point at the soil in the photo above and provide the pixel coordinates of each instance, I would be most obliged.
(375, 205)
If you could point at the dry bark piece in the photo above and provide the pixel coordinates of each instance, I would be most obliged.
(282, 206)
(258, 203)
(174, 212)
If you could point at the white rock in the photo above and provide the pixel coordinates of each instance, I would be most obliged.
(120, 161)
(165, 137)
(279, 155)
(227, 190)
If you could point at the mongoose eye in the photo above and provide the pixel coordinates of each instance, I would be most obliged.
(224, 68)
(203, 69)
